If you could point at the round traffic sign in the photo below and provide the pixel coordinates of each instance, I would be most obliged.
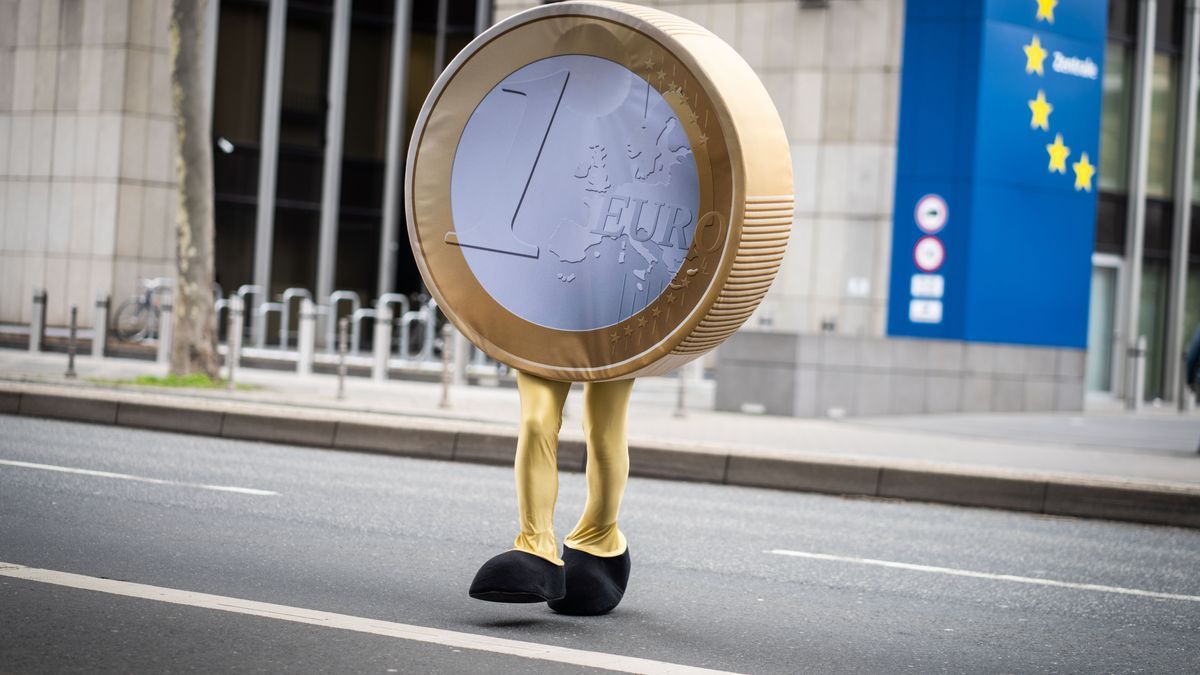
(597, 191)
(931, 213)
(929, 253)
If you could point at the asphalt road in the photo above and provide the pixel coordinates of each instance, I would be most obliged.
(398, 540)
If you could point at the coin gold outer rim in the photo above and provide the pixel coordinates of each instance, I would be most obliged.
(743, 165)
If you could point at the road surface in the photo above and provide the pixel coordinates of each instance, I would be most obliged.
(146, 551)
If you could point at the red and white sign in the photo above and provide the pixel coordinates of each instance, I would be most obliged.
(929, 254)
(931, 213)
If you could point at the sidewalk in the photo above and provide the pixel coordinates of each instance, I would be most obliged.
(1131, 467)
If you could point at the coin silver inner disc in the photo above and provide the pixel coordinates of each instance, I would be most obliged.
(574, 193)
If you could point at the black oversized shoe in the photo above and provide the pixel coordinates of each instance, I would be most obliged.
(517, 576)
(595, 585)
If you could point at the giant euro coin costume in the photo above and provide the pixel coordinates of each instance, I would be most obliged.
(595, 191)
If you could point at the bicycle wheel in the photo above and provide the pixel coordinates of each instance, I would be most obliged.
(133, 320)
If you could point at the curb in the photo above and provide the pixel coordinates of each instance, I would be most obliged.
(1141, 502)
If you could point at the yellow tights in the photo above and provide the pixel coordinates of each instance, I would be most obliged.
(605, 405)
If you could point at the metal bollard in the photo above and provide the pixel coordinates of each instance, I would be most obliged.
(1182, 398)
(446, 374)
(100, 325)
(71, 343)
(233, 353)
(306, 340)
(1139, 374)
(165, 325)
(381, 343)
(37, 323)
(462, 349)
(680, 398)
(343, 338)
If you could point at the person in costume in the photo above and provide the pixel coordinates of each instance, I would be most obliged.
(594, 192)
(591, 575)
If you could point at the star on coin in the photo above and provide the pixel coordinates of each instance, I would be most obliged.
(670, 298)
(686, 282)
(641, 322)
(662, 74)
(629, 330)
(614, 337)
(702, 139)
(656, 311)
(649, 61)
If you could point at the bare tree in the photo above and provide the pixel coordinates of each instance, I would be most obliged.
(194, 348)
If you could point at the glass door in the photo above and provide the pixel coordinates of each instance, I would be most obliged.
(1102, 323)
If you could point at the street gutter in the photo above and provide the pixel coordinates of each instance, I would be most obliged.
(1150, 502)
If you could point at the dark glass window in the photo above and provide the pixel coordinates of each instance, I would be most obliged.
(237, 116)
(1110, 223)
(1168, 25)
(1122, 19)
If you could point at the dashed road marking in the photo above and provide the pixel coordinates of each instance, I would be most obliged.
(140, 479)
(985, 575)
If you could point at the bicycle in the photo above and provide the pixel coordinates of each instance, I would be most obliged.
(136, 320)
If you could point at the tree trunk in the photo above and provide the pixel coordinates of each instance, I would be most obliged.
(194, 348)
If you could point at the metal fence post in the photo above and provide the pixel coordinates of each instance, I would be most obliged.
(37, 323)
(71, 343)
(381, 342)
(447, 347)
(681, 394)
(461, 352)
(343, 338)
(285, 314)
(100, 325)
(1137, 385)
(305, 341)
(1183, 392)
(164, 328)
(233, 341)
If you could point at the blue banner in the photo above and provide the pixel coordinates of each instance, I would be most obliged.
(996, 178)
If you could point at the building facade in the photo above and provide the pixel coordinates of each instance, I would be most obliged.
(313, 102)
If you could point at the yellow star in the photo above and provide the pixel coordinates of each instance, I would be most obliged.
(1034, 56)
(670, 297)
(1083, 173)
(662, 75)
(629, 330)
(656, 311)
(1058, 154)
(641, 322)
(702, 139)
(650, 57)
(1041, 112)
(1045, 10)
(614, 337)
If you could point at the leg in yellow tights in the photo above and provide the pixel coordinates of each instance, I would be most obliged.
(605, 409)
(592, 578)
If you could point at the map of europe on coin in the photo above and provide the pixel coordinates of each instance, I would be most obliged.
(574, 193)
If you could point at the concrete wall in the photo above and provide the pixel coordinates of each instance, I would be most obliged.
(87, 172)
(808, 375)
(834, 74)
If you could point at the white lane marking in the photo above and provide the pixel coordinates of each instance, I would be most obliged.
(448, 638)
(140, 479)
(984, 575)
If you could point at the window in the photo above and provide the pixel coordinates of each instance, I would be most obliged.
(1114, 118)
(1160, 166)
